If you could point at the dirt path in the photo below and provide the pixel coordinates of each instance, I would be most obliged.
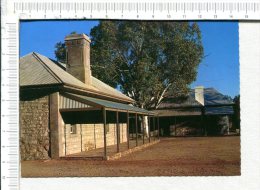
(195, 156)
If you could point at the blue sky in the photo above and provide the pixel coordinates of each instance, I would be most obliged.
(219, 68)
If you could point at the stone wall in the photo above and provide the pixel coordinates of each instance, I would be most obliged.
(123, 132)
(34, 129)
(91, 136)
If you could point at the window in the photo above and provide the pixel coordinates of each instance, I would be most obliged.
(73, 129)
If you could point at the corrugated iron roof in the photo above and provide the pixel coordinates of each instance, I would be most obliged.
(98, 84)
(215, 104)
(178, 112)
(64, 76)
(171, 102)
(36, 69)
(67, 103)
(223, 110)
(33, 72)
(109, 104)
(213, 97)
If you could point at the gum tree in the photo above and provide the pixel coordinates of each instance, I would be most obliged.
(146, 59)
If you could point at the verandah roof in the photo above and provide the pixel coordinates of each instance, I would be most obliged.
(108, 105)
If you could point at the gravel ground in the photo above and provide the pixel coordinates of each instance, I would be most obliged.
(190, 156)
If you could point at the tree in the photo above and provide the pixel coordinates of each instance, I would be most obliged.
(146, 59)
(60, 50)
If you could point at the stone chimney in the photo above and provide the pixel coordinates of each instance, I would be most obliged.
(199, 94)
(78, 57)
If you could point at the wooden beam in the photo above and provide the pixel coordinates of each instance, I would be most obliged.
(117, 132)
(78, 109)
(136, 129)
(125, 111)
(175, 125)
(127, 118)
(149, 132)
(199, 106)
(158, 125)
(143, 127)
(95, 141)
(81, 137)
(153, 127)
(105, 132)
(115, 110)
(65, 143)
(203, 120)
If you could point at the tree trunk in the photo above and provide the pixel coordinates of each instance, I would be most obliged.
(145, 122)
(161, 96)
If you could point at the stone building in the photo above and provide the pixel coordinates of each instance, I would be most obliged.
(65, 110)
(204, 111)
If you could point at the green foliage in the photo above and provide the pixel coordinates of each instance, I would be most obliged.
(60, 50)
(145, 58)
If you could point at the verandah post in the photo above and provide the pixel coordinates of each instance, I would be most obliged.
(153, 127)
(81, 138)
(65, 139)
(136, 129)
(127, 128)
(203, 120)
(143, 127)
(105, 132)
(117, 132)
(158, 125)
(149, 130)
(175, 126)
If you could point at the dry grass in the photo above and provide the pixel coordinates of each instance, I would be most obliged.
(194, 156)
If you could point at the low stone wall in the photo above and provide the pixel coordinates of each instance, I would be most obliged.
(91, 136)
(129, 151)
(34, 129)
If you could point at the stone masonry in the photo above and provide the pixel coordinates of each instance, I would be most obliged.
(35, 132)
(34, 129)
(91, 136)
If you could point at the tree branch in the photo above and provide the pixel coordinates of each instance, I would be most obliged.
(162, 94)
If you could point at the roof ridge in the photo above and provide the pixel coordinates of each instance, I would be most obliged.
(26, 55)
(46, 66)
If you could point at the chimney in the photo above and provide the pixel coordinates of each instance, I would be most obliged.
(78, 57)
(199, 94)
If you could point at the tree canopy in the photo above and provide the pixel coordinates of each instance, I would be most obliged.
(146, 59)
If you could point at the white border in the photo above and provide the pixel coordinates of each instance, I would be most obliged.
(136, 9)
(249, 48)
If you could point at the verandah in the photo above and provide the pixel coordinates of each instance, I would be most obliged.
(113, 127)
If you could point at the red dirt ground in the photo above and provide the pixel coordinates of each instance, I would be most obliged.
(190, 156)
